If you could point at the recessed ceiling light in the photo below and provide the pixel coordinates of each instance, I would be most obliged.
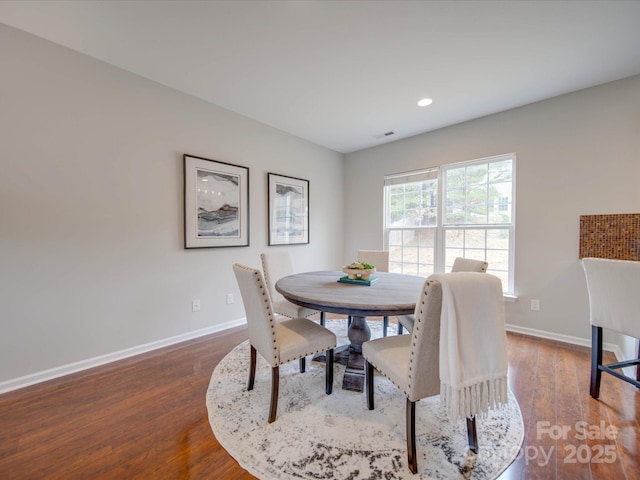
(424, 102)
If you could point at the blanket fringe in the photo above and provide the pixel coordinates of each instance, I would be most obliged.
(474, 399)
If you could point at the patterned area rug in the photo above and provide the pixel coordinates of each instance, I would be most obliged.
(319, 436)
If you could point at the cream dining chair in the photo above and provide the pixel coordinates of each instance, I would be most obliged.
(279, 342)
(276, 265)
(614, 304)
(380, 260)
(413, 362)
(460, 264)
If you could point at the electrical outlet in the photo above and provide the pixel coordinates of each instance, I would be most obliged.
(195, 305)
(535, 305)
(229, 298)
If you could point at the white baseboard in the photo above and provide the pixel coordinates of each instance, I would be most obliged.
(50, 374)
(583, 342)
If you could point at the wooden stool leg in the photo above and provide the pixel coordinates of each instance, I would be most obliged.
(638, 366)
(596, 361)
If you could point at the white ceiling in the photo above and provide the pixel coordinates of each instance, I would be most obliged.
(339, 73)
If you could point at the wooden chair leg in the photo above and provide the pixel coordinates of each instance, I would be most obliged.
(348, 321)
(368, 372)
(385, 325)
(411, 436)
(596, 361)
(323, 318)
(329, 372)
(252, 367)
(472, 434)
(275, 384)
(303, 364)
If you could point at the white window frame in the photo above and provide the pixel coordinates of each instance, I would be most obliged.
(441, 227)
(430, 174)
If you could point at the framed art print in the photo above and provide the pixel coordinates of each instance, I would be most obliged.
(288, 199)
(216, 204)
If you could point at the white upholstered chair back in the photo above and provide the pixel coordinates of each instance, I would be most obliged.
(260, 320)
(614, 294)
(461, 264)
(424, 362)
(377, 258)
(275, 266)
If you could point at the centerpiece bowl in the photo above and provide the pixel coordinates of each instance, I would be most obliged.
(358, 273)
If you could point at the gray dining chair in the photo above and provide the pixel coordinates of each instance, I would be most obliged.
(279, 342)
(460, 264)
(412, 362)
(380, 260)
(614, 304)
(276, 265)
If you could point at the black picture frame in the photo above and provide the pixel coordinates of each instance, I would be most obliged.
(288, 200)
(216, 203)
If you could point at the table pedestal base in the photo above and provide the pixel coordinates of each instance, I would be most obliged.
(354, 373)
(351, 355)
(359, 332)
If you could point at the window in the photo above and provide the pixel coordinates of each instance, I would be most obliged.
(458, 210)
(411, 219)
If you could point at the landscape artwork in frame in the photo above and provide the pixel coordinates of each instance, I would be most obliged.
(288, 210)
(216, 204)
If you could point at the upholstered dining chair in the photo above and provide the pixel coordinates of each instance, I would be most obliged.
(379, 259)
(614, 304)
(276, 265)
(414, 363)
(279, 342)
(460, 264)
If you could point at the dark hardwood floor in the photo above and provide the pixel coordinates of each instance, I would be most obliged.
(145, 417)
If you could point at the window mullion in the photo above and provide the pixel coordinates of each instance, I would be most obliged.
(438, 261)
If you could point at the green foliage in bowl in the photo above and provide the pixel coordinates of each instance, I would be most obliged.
(360, 266)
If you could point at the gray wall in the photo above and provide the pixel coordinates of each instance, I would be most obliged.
(576, 154)
(91, 207)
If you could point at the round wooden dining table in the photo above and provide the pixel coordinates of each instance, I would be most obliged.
(390, 294)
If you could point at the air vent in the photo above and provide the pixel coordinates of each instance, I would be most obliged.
(383, 135)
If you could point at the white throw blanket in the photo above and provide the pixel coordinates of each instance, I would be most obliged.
(473, 344)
